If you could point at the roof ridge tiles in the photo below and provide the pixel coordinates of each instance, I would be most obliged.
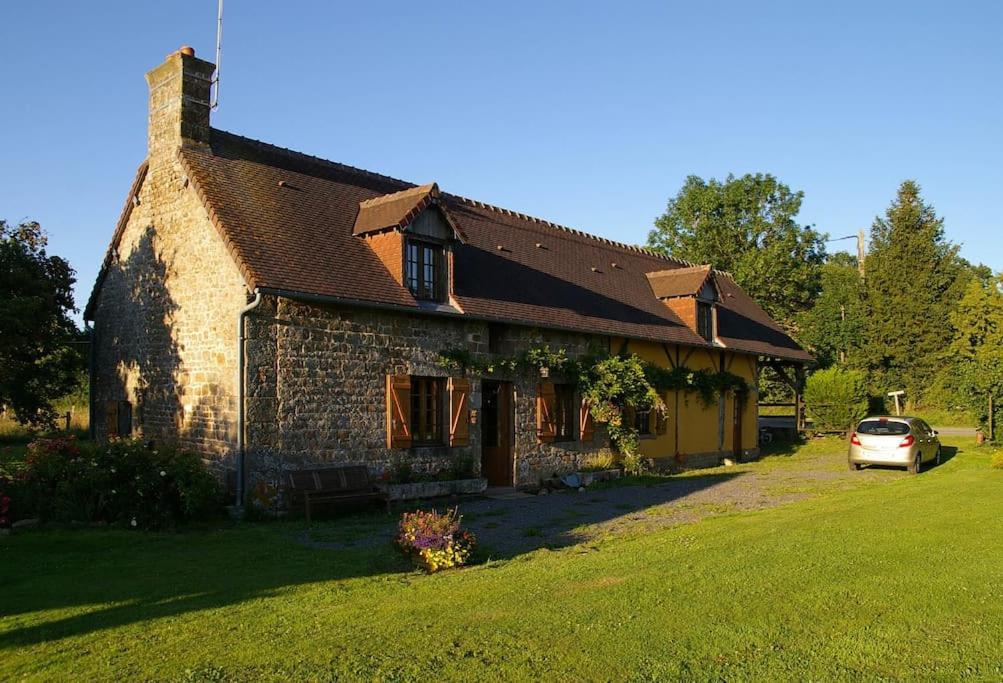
(294, 154)
(564, 228)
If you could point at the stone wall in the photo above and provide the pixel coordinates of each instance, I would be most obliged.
(165, 322)
(165, 312)
(317, 388)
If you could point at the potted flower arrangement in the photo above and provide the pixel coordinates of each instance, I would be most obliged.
(434, 540)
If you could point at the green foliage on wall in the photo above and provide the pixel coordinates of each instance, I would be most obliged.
(609, 383)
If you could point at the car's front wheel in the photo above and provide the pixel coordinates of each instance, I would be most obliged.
(936, 458)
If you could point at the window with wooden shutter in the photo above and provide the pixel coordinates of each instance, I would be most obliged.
(586, 427)
(427, 406)
(459, 411)
(398, 411)
(546, 427)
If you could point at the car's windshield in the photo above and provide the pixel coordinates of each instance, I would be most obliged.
(882, 428)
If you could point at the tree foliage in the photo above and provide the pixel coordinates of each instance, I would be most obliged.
(914, 278)
(37, 363)
(833, 328)
(836, 399)
(746, 226)
(977, 347)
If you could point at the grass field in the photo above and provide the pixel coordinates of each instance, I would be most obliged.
(897, 578)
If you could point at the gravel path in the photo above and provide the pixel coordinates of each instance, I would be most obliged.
(517, 523)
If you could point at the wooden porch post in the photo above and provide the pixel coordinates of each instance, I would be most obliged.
(799, 375)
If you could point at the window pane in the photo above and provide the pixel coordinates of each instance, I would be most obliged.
(426, 410)
(564, 412)
(424, 273)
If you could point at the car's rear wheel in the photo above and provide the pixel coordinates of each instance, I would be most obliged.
(917, 463)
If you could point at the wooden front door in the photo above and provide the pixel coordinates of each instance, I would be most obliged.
(496, 432)
(736, 437)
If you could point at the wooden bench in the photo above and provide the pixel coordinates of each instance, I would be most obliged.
(350, 483)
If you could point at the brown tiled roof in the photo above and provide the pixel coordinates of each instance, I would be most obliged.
(673, 282)
(290, 221)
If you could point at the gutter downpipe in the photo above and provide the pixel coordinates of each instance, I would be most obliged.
(91, 427)
(241, 390)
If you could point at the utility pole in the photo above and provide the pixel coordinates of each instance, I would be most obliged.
(842, 332)
(861, 253)
(861, 248)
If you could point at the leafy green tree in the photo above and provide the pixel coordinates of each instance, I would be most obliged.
(747, 226)
(833, 328)
(914, 277)
(836, 399)
(37, 363)
(977, 347)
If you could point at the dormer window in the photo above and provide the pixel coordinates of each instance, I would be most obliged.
(705, 320)
(413, 233)
(425, 270)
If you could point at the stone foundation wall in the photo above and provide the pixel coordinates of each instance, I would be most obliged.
(317, 388)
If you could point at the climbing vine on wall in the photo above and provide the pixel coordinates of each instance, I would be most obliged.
(609, 384)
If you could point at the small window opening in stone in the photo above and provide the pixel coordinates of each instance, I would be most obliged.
(496, 333)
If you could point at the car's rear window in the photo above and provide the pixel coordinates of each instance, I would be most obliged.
(882, 428)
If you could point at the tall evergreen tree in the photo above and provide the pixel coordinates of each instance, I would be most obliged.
(747, 226)
(914, 277)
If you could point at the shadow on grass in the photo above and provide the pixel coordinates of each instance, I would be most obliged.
(109, 579)
(784, 448)
(97, 580)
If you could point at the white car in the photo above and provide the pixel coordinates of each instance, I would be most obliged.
(897, 441)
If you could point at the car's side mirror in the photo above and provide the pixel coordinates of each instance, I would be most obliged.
(935, 432)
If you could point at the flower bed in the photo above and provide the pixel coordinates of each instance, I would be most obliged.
(434, 540)
(121, 482)
(432, 489)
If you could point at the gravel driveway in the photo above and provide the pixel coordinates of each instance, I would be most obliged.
(513, 523)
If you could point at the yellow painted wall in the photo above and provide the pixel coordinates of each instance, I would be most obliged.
(693, 428)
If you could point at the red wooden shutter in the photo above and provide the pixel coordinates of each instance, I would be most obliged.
(111, 419)
(586, 427)
(661, 418)
(398, 411)
(546, 428)
(459, 411)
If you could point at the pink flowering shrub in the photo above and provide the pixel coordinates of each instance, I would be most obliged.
(434, 540)
(121, 482)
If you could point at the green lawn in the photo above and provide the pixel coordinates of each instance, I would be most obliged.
(899, 579)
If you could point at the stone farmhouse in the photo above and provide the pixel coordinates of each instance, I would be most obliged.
(275, 310)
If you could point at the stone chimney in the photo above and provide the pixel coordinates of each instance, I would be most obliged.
(179, 105)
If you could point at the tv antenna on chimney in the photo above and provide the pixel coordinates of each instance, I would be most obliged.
(214, 102)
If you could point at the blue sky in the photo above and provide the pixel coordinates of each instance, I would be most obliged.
(587, 114)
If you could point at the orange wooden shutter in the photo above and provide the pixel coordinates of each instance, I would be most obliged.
(546, 428)
(398, 411)
(459, 411)
(111, 418)
(586, 427)
(661, 418)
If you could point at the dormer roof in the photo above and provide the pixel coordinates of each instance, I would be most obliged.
(396, 210)
(675, 282)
